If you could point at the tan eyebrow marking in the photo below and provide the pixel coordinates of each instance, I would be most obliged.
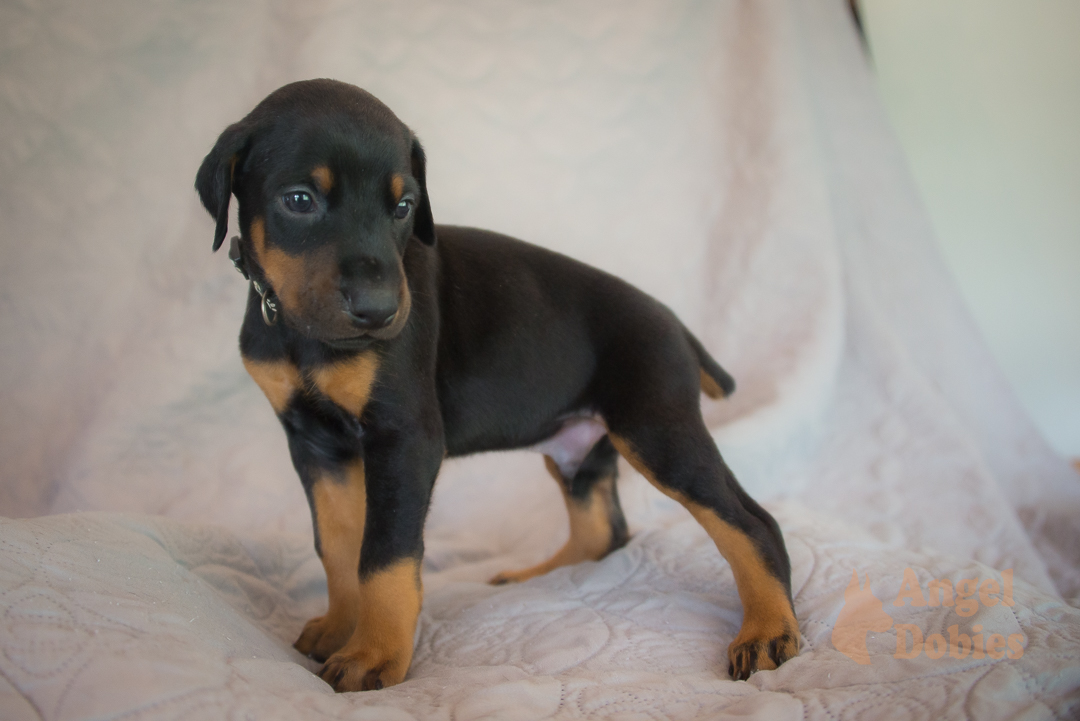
(324, 179)
(397, 186)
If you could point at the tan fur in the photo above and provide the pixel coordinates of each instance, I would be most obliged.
(397, 187)
(340, 512)
(302, 282)
(766, 611)
(712, 388)
(348, 383)
(279, 380)
(324, 179)
(380, 650)
(307, 284)
(767, 614)
(590, 529)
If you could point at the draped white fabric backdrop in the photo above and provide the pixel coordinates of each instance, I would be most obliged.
(730, 158)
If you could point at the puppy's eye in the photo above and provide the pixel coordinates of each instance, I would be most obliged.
(401, 210)
(298, 201)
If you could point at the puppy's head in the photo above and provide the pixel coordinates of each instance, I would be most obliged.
(330, 187)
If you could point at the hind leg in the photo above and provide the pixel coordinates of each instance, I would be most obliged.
(597, 525)
(679, 457)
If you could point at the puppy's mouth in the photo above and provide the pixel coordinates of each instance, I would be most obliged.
(366, 338)
(359, 342)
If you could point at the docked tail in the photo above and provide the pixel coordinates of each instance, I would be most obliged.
(715, 381)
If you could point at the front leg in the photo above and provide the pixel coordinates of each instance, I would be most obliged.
(338, 511)
(327, 451)
(326, 447)
(401, 465)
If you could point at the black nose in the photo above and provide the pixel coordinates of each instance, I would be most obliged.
(372, 321)
(371, 311)
(370, 287)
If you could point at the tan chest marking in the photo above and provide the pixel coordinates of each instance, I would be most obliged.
(279, 380)
(349, 382)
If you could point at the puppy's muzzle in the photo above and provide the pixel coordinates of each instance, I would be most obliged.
(371, 291)
(369, 311)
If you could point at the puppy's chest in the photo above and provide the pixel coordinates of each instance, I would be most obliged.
(347, 383)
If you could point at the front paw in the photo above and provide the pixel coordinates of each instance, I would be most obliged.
(323, 636)
(761, 651)
(364, 670)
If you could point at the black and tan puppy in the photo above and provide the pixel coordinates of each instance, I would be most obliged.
(386, 343)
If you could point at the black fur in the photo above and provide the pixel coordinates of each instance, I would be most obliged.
(503, 341)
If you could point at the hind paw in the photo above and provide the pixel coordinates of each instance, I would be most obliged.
(751, 652)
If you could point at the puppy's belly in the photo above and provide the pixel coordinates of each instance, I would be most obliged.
(572, 442)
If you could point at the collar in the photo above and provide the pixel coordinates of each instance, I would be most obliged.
(268, 303)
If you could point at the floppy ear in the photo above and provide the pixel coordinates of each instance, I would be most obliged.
(215, 176)
(423, 225)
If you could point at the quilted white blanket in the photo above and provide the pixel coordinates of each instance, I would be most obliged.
(729, 157)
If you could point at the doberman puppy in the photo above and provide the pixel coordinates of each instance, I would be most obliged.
(385, 343)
